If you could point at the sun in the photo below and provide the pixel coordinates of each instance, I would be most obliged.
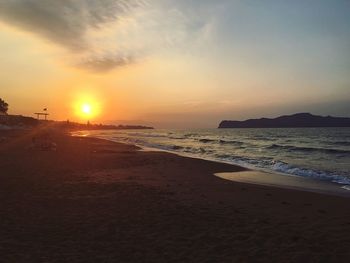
(87, 105)
(86, 109)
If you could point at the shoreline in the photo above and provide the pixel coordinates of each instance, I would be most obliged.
(282, 179)
(93, 200)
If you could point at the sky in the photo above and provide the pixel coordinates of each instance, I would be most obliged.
(175, 63)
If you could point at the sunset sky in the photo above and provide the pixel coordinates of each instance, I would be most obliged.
(175, 63)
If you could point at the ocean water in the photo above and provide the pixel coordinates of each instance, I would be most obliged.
(318, 153)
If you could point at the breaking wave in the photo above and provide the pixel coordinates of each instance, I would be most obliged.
(308, 149)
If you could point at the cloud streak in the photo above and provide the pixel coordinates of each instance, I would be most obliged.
(107, 34)
(67, 23)
(64, 22)
(106, 63)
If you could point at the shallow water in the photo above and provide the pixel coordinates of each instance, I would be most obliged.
(318, 153)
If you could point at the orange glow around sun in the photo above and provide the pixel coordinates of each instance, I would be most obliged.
(87, 107)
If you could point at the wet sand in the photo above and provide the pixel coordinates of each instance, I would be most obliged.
(285, 181)
(92, 200)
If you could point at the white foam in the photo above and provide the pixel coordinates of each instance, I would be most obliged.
(346, 187)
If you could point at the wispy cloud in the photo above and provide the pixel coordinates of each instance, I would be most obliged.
(103, 64)
(68, 22)
(64, 22)
(106, 34)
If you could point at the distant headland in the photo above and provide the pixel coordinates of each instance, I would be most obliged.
(19, 121)
(289, 121)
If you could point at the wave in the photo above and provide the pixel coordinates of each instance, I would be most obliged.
(177, 147)
(207, 140)
(285, 168)
(194, 150)
(265, 138)
(304, 172)
(230, 142)
(173, 148)
(307, 149)
(148, 135)
(341, 143)
(187, 135)
(177, 137)
(346, 187)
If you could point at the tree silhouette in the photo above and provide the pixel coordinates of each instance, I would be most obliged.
(3, 106)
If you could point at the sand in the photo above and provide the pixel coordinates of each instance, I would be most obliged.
(286, 181)
(91, 200)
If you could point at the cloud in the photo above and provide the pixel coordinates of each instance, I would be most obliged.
(68, 22)
(107, 63)
(64, 22)
(106, 34)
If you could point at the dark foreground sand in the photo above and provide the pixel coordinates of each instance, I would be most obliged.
(98, 201)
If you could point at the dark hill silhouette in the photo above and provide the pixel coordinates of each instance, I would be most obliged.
(289, 121)
(91, 126)
(20, 121)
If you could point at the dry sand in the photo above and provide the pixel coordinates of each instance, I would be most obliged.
(97, 201)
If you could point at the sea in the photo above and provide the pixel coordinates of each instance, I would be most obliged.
(322, 154)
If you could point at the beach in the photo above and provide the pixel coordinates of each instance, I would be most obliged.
(93, 200)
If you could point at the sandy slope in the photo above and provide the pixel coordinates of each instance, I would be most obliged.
(97, 201)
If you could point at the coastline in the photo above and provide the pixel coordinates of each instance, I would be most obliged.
(114, 202)
(251, 175)
(322, 160)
